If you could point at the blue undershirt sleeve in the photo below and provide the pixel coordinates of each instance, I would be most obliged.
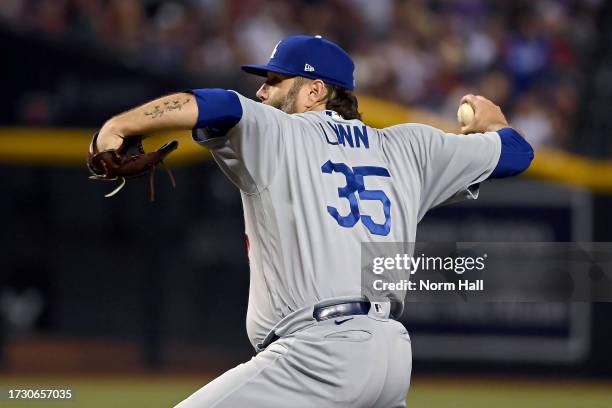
(219, 110)
(516, 154)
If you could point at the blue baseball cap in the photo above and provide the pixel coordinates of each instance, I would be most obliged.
(309, 56)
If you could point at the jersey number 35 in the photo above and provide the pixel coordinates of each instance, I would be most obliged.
(355, 184)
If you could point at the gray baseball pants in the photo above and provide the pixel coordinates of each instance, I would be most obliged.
(351, 361)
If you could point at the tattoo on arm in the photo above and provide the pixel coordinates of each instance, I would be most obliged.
(170, 106)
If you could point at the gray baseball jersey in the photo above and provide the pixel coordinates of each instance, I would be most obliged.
(315, 186)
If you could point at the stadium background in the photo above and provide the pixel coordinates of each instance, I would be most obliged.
(132, 303)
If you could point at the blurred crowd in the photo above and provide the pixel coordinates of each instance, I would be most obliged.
(527, 56)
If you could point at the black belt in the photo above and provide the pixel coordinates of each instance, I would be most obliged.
(326, 312)
(362, 307)
(321, 313)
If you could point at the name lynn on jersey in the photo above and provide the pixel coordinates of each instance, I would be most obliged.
(343, 135)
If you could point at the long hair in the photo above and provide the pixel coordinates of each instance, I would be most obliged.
(338, 99)
(342, 101)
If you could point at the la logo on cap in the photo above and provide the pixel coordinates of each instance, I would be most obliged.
(308, 68)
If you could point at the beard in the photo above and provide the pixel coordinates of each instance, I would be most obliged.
(288, 103)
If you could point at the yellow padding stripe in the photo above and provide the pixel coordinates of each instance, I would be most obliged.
(549, 164)
(380, 114)
(68, 147)
(567, 168)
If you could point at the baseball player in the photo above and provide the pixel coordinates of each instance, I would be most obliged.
(316, 183)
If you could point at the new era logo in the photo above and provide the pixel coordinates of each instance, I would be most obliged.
(308, 68)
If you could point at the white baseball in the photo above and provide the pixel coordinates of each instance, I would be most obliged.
(465, 114)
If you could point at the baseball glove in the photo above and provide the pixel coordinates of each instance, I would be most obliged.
(127, 162)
